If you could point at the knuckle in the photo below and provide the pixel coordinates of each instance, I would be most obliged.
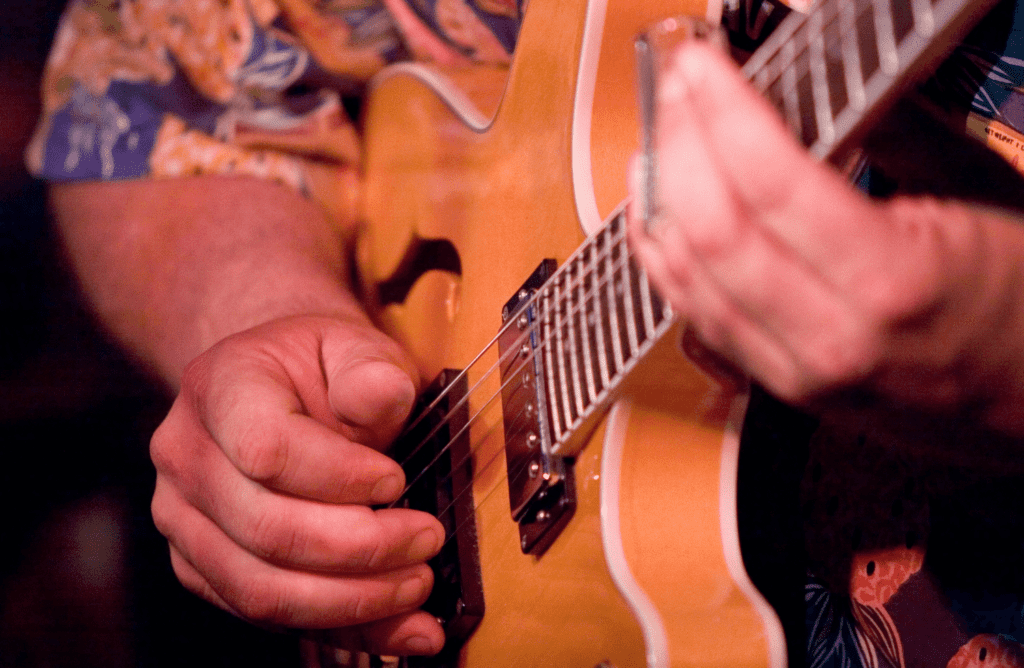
(368, 550)
(162, 517)
(260, 603)
(160, 450)
(835, 364)
(278, 540)
(262, 453)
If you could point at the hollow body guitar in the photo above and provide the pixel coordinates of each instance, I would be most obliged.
(597, 465)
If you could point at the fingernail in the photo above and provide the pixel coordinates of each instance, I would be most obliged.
(424, 545)
(419, 645)
(410, 592)
(387, 489)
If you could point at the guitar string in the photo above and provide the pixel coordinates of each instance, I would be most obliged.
(614, 272)
(793, 62)
(524, 466)
(427, 410)
(514, 351)
(617, 241)
(802, 33)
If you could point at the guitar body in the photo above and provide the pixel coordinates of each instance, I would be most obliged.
(509, 168)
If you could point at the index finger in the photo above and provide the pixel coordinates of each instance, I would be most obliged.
(257, 419)
(780, 186)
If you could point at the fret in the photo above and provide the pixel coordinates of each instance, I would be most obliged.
(787, 82)
(886, 39)
(574, 304)
(855, 77)
(867, 41)
(565, 403)
(600, 314)
(619, 288)
(613, 311)
(804, 93)
(625, 290)
(924, 18)
(555, 421)
(646, 303)
(835, 74)
(588, 323)
(822, 99)
(902, 19)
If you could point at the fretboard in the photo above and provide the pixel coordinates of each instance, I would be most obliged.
(582, 331)
(830, 73)
(835, 70)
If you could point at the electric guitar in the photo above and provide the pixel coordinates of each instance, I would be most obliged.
(584, 469)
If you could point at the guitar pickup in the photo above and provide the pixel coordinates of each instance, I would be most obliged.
(542, 492)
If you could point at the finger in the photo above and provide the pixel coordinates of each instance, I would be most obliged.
(415, 632)
(768, 289)
(253, 414)
(372, 396)
(717, 322)
(297, 533)
(767, 169)
(266, 594)
(760, 274)
(195, 582)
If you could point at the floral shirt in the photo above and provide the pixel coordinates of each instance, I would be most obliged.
(162, 88)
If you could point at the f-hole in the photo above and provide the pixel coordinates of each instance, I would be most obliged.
(423, 255)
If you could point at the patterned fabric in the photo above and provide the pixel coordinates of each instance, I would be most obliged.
(986, 77)
(913, 565)
(160, 88)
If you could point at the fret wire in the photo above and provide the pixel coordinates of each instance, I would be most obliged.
(627, 301)
(851, 56)
(572, 288)
(586, 324)
(600, 319)
(791, 108)
(885, 39)
(550, 383)
(924, 18)
(613, 311)
(565, 403)
(819, 81)
(646, 303)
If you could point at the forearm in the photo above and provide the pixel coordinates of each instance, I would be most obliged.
(172, 266)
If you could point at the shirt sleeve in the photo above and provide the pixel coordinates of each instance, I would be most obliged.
(255, 87)
(154, 89)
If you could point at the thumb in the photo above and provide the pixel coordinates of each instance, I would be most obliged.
(372, 397)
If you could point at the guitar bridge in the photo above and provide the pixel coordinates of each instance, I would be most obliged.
(542, 492)
(438, 468)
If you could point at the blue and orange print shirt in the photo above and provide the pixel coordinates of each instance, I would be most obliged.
(164, 88)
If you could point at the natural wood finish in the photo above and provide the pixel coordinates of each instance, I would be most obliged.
(504, 199)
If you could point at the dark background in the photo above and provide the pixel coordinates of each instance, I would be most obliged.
(85, 579)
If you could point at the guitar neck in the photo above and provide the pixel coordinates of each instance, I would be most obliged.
(589, 324)
(834, 71)
(831, 73)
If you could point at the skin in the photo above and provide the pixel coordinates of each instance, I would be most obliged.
(231, 290)
(786, 274)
